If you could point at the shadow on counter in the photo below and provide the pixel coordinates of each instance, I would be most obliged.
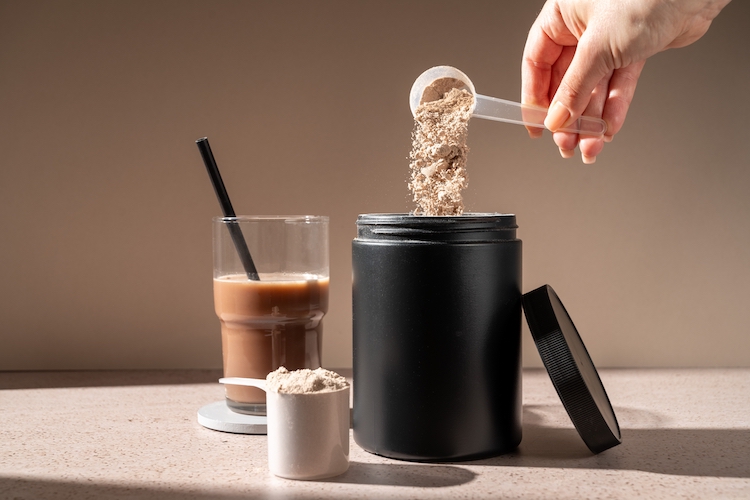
(416, 475)
(37, 489)
(683, 452)
(392, 474)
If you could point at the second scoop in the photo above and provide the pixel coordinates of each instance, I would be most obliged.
(492, 108)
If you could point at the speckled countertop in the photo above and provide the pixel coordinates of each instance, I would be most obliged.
(128, 435)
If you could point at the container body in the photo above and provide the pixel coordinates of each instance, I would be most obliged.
(436, 336)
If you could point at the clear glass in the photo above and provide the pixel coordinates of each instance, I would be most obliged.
(276, 320)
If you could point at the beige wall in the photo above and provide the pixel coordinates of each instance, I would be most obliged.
(105, 206)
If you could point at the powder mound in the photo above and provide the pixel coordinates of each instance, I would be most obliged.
(437, 161)
(304, 381)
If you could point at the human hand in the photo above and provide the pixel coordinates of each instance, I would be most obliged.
(584, 57)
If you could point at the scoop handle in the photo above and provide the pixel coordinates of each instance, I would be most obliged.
(492, 108)
(247, 382)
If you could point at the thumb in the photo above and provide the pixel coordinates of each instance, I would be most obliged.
(591, 62)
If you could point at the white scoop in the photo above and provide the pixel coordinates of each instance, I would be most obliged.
(260, 383)
(308, 434)
(492, 108)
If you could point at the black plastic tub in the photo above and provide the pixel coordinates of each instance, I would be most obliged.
(437, 336)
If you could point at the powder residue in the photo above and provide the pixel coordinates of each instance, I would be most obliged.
(437, 160)
(304, 381)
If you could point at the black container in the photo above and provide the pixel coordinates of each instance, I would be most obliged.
(437, 336)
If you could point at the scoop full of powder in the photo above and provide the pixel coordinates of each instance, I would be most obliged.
(437, 160)
(304, 381)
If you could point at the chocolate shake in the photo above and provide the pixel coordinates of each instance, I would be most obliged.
(265, 324)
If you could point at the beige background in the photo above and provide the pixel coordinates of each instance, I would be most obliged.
(105, 206)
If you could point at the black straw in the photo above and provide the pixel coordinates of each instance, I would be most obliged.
(226, 206)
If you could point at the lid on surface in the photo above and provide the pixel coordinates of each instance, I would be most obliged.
(570, 367)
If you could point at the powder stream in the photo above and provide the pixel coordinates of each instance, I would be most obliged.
(439, 152)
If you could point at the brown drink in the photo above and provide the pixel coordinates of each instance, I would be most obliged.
(274, 322)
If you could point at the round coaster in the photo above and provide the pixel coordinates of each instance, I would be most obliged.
(219, 417)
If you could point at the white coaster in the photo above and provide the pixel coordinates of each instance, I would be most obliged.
(219, 417)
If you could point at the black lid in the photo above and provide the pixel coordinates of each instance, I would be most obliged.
(571, 369)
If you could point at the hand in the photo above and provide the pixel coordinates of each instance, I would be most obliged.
(584, 57)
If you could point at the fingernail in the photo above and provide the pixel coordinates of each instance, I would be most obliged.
(567, 153)
(556, 116)
(608, 138)
(588, 159)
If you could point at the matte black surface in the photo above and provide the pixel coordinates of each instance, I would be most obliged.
(570, 367)
(437, 325)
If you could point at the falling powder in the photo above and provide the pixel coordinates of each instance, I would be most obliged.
(439, 148)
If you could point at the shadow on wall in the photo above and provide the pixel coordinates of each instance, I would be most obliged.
(103, 378)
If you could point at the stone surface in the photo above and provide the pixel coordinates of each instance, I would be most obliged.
(686, 434)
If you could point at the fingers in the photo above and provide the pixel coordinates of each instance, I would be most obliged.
(559, 68)
(534, 132)
(609, 100)
(570, 71)
(567, 142)
(582, 90)
(591, 146)
(619, 96)
(540, 53)
(590, 64)
(535, 77)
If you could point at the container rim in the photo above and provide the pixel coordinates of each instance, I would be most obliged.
(435, 222)
(464, 216)
(469, 227)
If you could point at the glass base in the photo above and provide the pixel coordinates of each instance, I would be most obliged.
(247, 408)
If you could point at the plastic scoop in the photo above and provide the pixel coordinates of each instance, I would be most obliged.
(244, 381)
(492, 108)
(308, 434)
